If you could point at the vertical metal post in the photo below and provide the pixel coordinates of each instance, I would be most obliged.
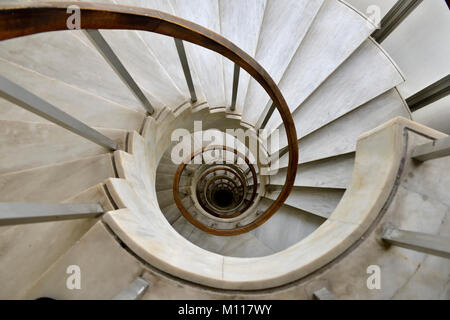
(27, 100)
(323, 294)
(394, 17)
(13, 213)
(185, 65)
(427, 243)
(108, 54)
(134, 291)
(237, 70)
(267, 116)
(430, 94)
(432, 150)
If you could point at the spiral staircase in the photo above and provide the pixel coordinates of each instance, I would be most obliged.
(88, 177)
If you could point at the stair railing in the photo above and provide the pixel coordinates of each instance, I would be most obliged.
(23, 19)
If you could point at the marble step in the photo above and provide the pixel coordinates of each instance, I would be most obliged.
(165, 197)
(87, 107)
(284, 26)
(26, 145)
(61, 55)
(32, 248)
(337, 31)
(334, 172)
(317, 201)
(101, 259)
(183, 227)
(325, 143)
(368, 73)
(285, 228)
(144, 67)
(163, 48)
(207, 64)
(166, 167)
(245, 245)
(245, 36)
(56, 182)
(165, 181)
(172, 213)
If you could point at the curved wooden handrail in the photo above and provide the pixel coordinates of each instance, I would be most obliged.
(30, 18)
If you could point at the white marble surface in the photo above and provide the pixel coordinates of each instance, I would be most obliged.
(245, 36)
(207, 64)
(366, 74)
(287, 227)
(61, 55)
(87, 107)
(145, 230)
(359, 206)
(325, 143)
(334, 172)
(165, 181)
(420, 204)
(331, 238)
(28, 250)
(284, 26)
(103, 276)
(26, 145)
(163, 47)
(140, 61)
(172, 213)
(55, 182)
(318, 201)
(337, 31)
(244, 245)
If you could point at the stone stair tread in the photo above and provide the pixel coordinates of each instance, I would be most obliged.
(365, 75)
(55, 182)
(334, 172)
(27, 145)
(96, 76)
(284, 26)
(318, 201)
(335, 34)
